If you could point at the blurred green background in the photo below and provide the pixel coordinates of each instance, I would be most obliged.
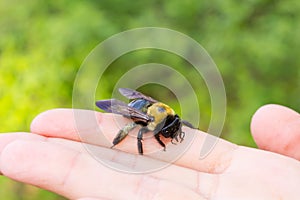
(255, 44)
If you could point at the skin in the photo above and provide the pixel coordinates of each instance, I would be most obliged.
(53, 157)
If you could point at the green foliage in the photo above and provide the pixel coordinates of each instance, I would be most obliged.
(255, 44)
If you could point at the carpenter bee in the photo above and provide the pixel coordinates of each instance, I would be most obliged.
(147, 112)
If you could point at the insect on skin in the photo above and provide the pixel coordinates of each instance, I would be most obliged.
(147, 112)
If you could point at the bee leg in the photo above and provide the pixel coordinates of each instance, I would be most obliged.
(157, 137)
(172, 141)
(188, 124)
(123, 133)
(181, 135)
(140, 138)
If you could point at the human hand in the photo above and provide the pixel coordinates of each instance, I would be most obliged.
(54, 158)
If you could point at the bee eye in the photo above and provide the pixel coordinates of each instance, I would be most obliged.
(161, 109)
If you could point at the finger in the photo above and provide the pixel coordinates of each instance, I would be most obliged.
(76, 175)
(97, 128)
(88, 198)
(277, 128)
(201, 182)
(6, 138)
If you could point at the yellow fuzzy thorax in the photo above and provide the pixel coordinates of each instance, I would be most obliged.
(159, 111)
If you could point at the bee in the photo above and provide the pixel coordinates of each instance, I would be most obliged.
(147, 112)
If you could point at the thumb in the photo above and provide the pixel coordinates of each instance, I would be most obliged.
(277, 128)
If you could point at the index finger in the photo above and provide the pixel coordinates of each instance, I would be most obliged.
(65, 123)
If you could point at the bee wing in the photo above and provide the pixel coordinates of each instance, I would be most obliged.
(106, 105)
(121, 108)
(132, 94)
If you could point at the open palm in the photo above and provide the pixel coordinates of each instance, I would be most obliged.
(54, 158)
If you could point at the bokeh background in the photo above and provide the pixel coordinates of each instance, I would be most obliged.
(254, 43)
